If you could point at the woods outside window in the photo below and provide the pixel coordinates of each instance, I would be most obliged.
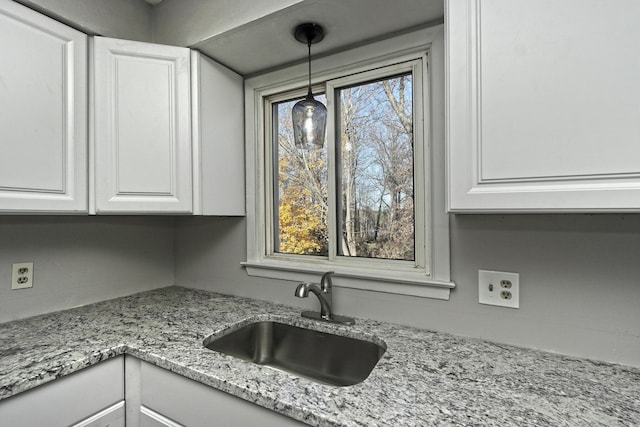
(354, 198)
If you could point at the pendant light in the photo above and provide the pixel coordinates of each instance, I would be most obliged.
(309, 116)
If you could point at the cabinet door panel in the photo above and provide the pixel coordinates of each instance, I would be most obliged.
(113, 416)
(149, 418)
(193, 404)
(145, 144)
(142, 127)
(549, 109)
(43, 119)
(543, 105)
(69, 399)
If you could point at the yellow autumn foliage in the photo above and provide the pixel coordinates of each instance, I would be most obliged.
(301, 228)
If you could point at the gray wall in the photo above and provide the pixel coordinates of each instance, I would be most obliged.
(125, 19)
(579, 278)
(80, 260)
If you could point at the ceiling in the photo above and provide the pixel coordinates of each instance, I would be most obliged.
(267, 43)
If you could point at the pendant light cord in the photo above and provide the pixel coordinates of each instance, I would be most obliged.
(309, 94)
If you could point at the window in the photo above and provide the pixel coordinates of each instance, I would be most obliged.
(363, 205)
(371, 203)
(375, 169)
(299, 189)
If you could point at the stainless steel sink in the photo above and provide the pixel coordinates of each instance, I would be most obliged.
(327, 358)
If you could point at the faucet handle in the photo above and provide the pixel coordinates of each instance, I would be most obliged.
(325, 282)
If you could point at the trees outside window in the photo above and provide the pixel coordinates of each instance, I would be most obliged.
(301, 209)
(375, 130)
(373, 199)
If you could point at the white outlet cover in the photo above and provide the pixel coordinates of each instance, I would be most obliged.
(492, 285)
(21, 279)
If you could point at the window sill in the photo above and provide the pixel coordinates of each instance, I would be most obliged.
(394, 282)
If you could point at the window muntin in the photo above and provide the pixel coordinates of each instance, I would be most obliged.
(314, 228)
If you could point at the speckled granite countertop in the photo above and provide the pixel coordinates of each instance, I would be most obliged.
(423, 379)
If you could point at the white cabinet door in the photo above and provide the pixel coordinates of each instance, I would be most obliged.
(142, 127)
(150, 418)
(83, 395)
(543, 105)
(218, 138)
(157, 397)
(113, 416)
(43, 113)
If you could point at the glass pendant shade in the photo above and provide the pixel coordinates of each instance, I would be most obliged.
(309, 116)
(309, 122)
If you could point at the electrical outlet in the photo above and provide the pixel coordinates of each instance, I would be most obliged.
(22, 275)
(499, 288)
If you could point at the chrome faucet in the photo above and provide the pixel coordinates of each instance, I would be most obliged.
(324, 294)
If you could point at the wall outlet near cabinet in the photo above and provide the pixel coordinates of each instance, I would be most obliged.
(499, 288)
(22, 275)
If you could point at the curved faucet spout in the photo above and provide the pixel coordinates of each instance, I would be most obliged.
(325, 283)
(302, 291)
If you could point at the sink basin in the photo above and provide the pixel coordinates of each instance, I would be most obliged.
(323, 357)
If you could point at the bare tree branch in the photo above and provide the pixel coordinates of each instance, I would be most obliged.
(399, 105)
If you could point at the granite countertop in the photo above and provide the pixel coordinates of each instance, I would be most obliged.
(423, 379)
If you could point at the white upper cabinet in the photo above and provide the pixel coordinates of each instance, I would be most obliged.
(543, 105)
(218, 138)
(43, 113)
(141, 127)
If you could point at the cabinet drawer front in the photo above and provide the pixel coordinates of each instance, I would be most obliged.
(67, 400)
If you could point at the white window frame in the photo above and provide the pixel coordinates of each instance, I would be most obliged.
(430, 276)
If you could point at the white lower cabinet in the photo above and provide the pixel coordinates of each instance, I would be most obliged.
(92, 397)
(113, 416)
(150, 418)
(159, 398)
(126, 391)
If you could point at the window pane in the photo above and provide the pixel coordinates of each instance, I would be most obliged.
(300, 189)
(376, 203)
